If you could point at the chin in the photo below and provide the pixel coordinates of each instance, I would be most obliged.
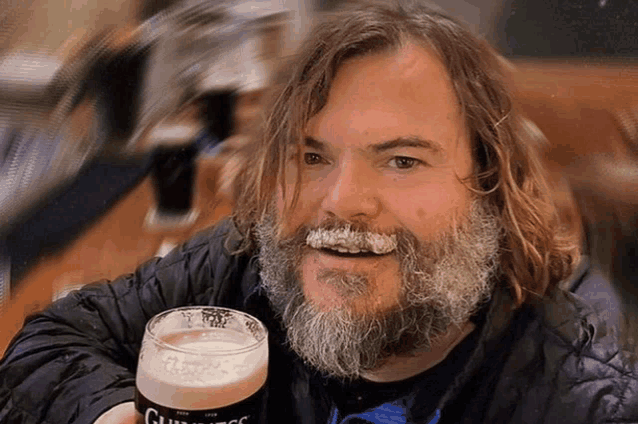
(325, 297)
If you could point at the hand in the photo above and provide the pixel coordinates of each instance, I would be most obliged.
(124, 413)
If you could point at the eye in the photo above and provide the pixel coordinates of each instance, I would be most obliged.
(312, 159)
(404, 162)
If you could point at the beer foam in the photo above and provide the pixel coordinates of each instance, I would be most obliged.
(203, 358)
(202, 362)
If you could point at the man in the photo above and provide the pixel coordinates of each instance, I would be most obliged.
(394, 231)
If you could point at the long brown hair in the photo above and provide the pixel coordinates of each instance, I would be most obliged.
(537, 250)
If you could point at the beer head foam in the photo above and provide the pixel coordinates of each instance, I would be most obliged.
(201, 368)
(204, 358)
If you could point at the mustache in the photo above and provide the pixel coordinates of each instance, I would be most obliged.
(347, 237)
(345, 240)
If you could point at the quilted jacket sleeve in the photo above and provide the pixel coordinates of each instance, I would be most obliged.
(77, 359)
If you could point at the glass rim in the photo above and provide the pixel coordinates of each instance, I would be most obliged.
(158, 341)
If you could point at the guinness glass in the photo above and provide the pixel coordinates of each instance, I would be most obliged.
(174, 176)
(202, 365)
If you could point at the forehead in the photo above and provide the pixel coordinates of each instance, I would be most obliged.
(404, 92)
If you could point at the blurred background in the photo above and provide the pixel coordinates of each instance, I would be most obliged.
(122, 123)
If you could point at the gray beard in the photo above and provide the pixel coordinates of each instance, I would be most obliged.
(444, 282)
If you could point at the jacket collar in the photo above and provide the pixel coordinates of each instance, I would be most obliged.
(502, 323)
(493, 323)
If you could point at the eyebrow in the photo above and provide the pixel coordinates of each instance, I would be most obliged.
(409, 141)
(313, 143)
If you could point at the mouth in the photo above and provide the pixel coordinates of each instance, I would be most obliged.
(344, 253)
(351, 244)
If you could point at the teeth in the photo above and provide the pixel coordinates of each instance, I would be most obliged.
(343, 249)
(347, 241)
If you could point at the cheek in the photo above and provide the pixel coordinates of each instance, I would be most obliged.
(280, 202)
(430, 209)
(302, 214)
(309, 199)
(287, 226)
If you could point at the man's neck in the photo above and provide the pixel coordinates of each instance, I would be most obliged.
(399, 368)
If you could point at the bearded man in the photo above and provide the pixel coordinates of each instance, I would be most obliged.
(394, 230)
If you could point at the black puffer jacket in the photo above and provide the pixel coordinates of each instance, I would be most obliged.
(554, 361)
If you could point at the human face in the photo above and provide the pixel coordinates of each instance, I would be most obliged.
(443, 284)
(388, 150)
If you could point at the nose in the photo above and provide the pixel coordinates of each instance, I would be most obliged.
(351, 193)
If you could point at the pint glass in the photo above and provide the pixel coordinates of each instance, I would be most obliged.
(202, 365)
(173, 173)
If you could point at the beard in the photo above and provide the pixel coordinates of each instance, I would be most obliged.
(443, 283)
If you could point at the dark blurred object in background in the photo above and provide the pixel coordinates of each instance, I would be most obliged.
(116, 84)
(174, 174)
(150, 8)
(542, 28)
(218, 108)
